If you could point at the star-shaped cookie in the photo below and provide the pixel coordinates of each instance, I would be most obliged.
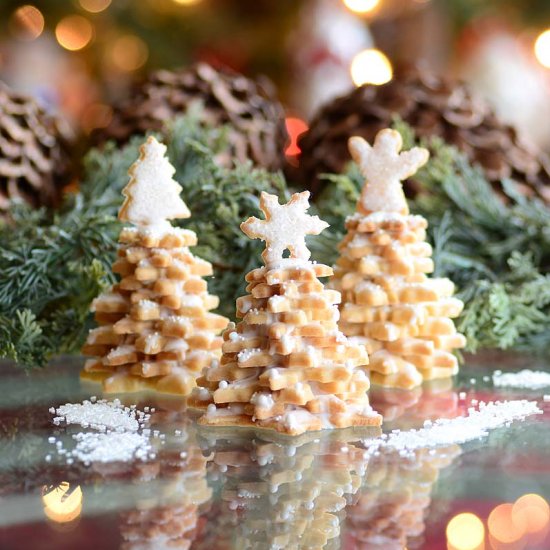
(285, 227)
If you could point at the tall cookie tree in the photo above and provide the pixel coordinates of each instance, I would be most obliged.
(156, 329)
(389, 303)
(286, 366)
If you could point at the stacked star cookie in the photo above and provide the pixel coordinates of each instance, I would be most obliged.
(155, 326)
(286, 496)
(286, 366)
(389, 303)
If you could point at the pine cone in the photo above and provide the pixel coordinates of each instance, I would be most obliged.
(433, 106)
(34, 152)
(255, 117)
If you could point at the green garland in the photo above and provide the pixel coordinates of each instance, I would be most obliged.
(54, 264)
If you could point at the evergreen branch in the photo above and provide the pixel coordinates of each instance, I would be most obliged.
(54, 263)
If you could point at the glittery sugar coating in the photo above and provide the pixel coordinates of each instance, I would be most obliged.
(285, 227)
(152, 195)
(384, 167)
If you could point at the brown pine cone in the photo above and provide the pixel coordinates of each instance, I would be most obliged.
(35, 162)
(432, 106)
(250, 108)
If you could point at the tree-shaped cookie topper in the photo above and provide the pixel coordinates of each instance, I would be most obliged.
(152, 196)
(285, 227)
(384, 168)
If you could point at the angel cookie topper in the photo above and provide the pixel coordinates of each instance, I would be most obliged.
(285, 227)
(285, 365)
(384, 168)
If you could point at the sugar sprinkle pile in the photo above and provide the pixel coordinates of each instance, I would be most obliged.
(118, 433)
(525, 379)
(476, 425)
(100, 415)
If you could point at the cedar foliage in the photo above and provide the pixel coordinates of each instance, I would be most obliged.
(53, 263)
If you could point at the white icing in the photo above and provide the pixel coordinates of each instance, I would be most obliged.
(262, 400)
(121, 350)
(152, 196)
(246, 354)
(384, 168)
(147, 304)
(285, 226)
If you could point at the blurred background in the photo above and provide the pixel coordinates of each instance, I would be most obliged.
(81, 56)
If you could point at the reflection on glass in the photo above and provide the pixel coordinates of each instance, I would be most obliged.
(390, 511)
(522, 524)
(432, 401)
(171, 490)
(281, 493)
(62, 504)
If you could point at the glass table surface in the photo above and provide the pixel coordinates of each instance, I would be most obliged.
(239, 489)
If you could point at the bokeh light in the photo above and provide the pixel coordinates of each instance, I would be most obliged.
(95, 6)
(531, 513)
(371, 66)
(542, 48)
(186, 2)
(295, 127)
(27, 22)
(465, 532)
(61, 504)
(74, 32)
(501, 526)
(361, 6)
(129, 53)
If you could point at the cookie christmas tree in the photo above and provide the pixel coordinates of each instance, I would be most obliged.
(155, 326)
(389, 303)
(286, 366)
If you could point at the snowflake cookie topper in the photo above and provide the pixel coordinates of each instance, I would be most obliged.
(384, 168)
(152, 196)
(285, 227)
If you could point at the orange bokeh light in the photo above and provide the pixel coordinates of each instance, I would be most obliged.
(27, 22)
(501, 526)
(62, 504)
(74, 32)
(295, 127)
(95, 6)
(129, 53)
(531, 512)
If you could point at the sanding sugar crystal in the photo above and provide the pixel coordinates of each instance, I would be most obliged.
(115, 432)
(526, 379)
(101, 415)
(477, 424)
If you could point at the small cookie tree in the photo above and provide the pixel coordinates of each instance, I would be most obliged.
(156, 329)
(286, 366)
(389, 303)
